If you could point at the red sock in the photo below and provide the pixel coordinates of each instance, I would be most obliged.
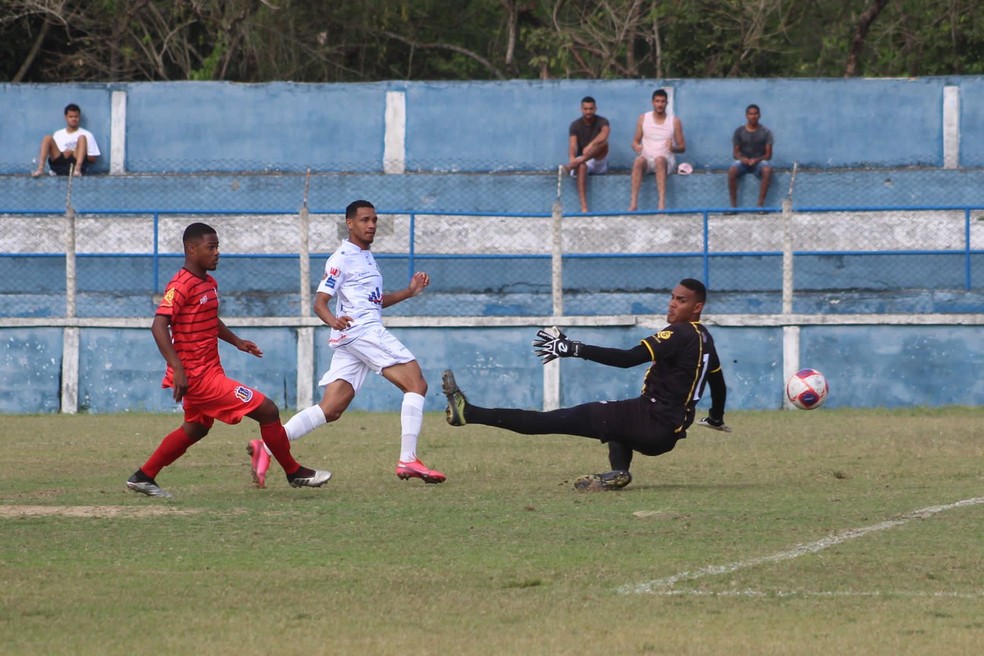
(170, 449)
(276, 438)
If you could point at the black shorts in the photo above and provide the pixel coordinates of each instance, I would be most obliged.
(63, 165)
(635, 423)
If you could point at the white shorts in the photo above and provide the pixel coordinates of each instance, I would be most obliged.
(595, 167)
(375, 350)
(670, 164)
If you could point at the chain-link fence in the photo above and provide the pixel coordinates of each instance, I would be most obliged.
(503, 244)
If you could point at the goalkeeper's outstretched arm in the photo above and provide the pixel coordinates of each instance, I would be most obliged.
(552, 344)
(612, 357)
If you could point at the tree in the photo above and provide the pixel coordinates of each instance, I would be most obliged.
(364, 40)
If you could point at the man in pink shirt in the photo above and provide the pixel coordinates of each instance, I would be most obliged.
(658, 137)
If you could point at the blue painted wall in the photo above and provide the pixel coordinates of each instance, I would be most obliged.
(867, 366)
(30, 111)
(898, 366)
(187, 127)
(121, 370)
(521, 125)
(511, 193)
(480, 126)
(30, 367)
(182, 126)
(972, 121)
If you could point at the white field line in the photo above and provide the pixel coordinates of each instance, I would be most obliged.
(907, 594)
(665, 585)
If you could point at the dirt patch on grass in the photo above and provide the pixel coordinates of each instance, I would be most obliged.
(98, 512)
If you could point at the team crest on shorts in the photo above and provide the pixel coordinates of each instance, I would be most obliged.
(244, 393)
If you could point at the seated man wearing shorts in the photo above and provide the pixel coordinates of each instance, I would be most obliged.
(69, 150)
(587, 147)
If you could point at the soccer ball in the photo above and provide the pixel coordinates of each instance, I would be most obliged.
(807, 389)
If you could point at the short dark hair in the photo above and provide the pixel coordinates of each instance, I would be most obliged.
(588, 99)
(355, 206)
(697, 287)
(196, 231)
(72, 107)
(752, 106)
(660, 92)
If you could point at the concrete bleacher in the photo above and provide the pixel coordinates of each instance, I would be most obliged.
(492, 126)
(494, 193)
(493, 263)
(237, 153)
(488, 146)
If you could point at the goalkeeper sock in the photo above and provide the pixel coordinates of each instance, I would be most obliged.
(565, 421)
(619, 456)
(411, 419)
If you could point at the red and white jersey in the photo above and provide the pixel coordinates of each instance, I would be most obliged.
(354, 279)
(192, 304)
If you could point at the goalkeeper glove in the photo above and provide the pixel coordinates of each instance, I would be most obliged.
(552, 344)
(716, 424)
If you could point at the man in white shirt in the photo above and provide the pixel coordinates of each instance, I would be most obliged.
(361, 344)
(69, 150)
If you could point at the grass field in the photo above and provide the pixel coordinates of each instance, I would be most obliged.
(826, 532)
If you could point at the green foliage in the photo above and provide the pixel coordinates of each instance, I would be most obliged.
(210, 65)
(364, 40)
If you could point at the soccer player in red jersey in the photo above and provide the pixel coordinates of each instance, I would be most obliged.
(187, 329)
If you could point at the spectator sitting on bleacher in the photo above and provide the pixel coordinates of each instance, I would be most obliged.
(587, 147)
(752, 151)
(73, 148)
(658, 136)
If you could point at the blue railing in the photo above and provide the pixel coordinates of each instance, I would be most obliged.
(516, 280)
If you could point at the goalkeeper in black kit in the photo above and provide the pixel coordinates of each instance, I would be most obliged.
(682, 360)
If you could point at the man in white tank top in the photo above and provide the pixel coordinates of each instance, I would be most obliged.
(658, 137)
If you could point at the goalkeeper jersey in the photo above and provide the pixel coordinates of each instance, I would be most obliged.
(683, 354)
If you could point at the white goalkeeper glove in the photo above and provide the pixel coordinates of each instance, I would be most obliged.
(552, 344)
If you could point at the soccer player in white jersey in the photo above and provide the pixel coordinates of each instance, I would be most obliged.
(361, 344)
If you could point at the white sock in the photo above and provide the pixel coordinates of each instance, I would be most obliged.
(304, 422)
(411, 419)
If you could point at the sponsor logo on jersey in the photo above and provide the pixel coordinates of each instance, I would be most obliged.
(664, 335)
(168, 298)
(203, 300)
(243, 393)
(376, 297)
(330, 283)
(333, 272)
